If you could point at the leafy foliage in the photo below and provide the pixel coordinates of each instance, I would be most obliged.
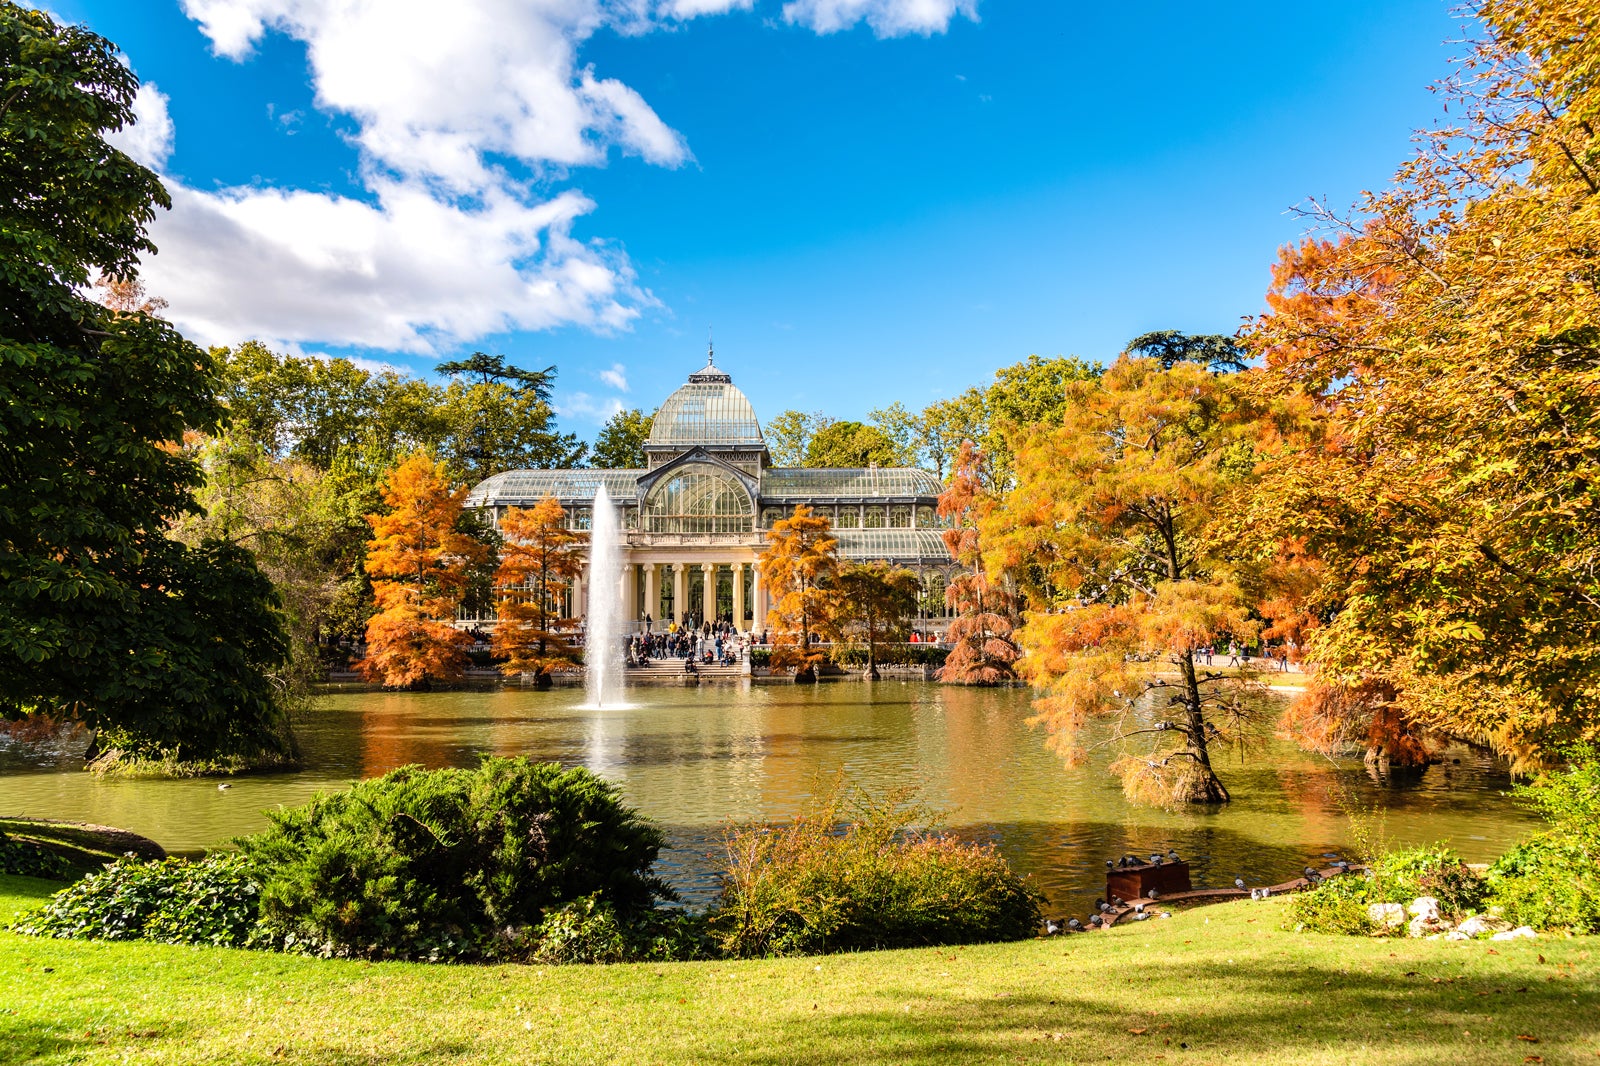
(171, 901)
(985, 651)
(420, 562)
(1552, 879)
(28, 859)
(1113, 531)
(850, 444)
(540, 560)
(811, 887)
(1441, 352)
(876, 601)
(432, 863)
(103, 617)
(590, 930)
(620, 445)
(798, 568)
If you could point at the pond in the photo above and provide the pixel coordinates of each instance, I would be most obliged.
(695, 759)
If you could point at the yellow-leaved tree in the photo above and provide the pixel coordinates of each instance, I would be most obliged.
(420, 563)
(799, 567)
(1448, 336)
(538, 563)
(985, 650)
(1112, 531)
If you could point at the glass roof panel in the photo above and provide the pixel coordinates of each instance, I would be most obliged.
(894, 545)
(531, 486)
(781, 482)
(710, 409)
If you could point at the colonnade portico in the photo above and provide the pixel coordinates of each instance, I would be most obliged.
(670, 590)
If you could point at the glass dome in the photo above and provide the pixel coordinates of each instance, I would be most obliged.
(698, 498)
(707, 410)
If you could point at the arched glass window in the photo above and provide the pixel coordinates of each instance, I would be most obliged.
(769, 515)
(874, 517)
(926, 518)
(699, 499)
(899, 518)
(580, 518)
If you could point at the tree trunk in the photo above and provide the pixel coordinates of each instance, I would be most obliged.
(805, 675)
(1204, 786)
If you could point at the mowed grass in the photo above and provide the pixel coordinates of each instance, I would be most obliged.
(1215, 985)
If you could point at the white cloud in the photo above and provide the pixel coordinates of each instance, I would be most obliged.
(450, 242)
(410, 273)
(149, 139)
(888, 18)
(585, 408)
(616, 377)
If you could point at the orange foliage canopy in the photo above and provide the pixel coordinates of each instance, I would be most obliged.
(419, 563)
(537, 565)
(799, 569)
(985, 651)
(1446, 343)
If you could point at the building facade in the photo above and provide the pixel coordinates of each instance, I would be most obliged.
(695, 519)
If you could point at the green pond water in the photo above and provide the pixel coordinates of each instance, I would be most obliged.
(695, 759)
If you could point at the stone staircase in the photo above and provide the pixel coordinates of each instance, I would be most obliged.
(671, 670)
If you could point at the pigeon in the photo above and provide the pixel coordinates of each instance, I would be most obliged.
(1255, 893)
(1111, 863)
(1152, 894)
(1117, 901)
(1164, 914)
(1172, 855)
(1051, 928)
(1105, 908)
(1155, 860)
(1094, 920)
(1315, 878)
(1140, 916)
(1238, 882)
(1308, 871)
(1099, 903)
(1265, 892)
(1075, 925)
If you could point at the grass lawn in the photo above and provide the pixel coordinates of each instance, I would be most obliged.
(1214, 985)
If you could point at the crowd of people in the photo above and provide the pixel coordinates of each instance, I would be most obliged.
(702, 641)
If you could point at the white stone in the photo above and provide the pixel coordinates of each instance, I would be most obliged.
(1388, 915)
(1426, 907)
(1480, 924)
(1456, 934)
(1521, 932)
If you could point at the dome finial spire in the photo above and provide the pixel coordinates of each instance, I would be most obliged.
(711, 347)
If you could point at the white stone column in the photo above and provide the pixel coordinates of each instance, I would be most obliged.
(680, 592)
(738, 596)
(760, 619)
(630, 593)
(580, 602)
(708, 595)
(652, 591)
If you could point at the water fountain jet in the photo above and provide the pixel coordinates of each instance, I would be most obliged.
(602, 651)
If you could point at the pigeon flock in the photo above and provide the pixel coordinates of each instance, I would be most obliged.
(1107, 913)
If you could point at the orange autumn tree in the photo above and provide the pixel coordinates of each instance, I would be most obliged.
(799, 567)
(985, 652)
(538, 563)
(1449, 333)
(1113, 532)
(420, 564)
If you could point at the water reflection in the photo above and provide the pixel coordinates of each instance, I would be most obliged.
(697, 758)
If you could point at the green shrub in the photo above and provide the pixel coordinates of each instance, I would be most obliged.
(589, 930)
(812, 886)
(1402, 876)
(172, 901)
(1552, 880)
(437, 863)
(27, 859)
(1338, 905)
(760, 657)
(855, 655)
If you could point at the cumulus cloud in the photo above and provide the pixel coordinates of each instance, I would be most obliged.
(458, 111)
(888, 18)
(148, 139)
(583, 407)
(616, 377)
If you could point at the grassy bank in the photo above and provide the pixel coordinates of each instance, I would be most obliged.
(1220, 984)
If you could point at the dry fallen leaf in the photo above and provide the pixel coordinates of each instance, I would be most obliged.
(1529, 1039)
(1138, 1032)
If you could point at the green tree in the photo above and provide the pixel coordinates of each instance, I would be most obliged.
(850, 444)
(495, 427)
(160, 645)
(620, 445)
(492, 369)
(876, 602)
(906, 431)
(789, 434)
(1210, 350)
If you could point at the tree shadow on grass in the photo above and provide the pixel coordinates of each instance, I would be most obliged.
(1275, 1012)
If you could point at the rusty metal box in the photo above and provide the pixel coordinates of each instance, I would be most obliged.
(1134, 882)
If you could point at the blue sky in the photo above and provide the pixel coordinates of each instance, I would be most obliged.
(868, 200)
